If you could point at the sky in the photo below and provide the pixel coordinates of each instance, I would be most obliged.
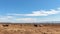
(29, 11)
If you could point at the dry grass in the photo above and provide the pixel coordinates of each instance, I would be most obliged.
(29, 29)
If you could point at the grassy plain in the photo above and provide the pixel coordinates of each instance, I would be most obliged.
(29, 28)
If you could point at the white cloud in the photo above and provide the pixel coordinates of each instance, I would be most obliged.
(6, 18)
(26, 20)
(40, 13)
(14, 17)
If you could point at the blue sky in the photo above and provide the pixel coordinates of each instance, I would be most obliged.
(29, 10)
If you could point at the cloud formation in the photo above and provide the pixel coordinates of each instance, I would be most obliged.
(6, 18)
(40, 13)
(14, 17)
(27, 20)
